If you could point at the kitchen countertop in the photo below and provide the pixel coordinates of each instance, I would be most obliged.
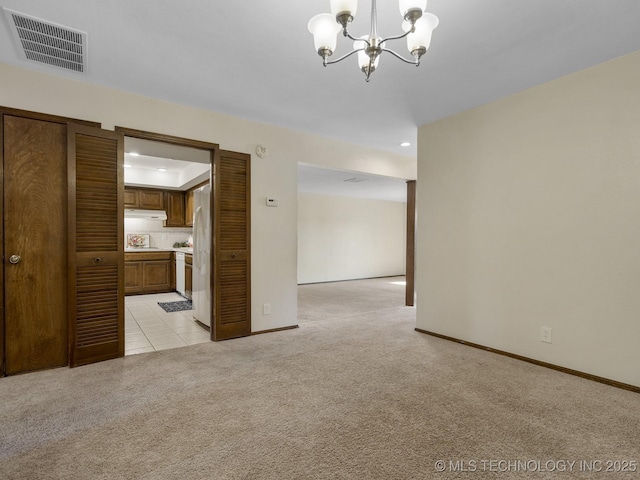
(153, 249)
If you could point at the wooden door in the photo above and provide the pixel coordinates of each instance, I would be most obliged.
(35, 230)
(96, 244)
(232, 234)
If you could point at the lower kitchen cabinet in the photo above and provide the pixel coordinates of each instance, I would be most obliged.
(156, 276)
(173, 271)
(132, 277)
(188, 274)
(147, 272)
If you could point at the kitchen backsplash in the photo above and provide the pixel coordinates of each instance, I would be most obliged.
(159, 236)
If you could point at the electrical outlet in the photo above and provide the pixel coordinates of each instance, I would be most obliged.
(545, 334)
(266, 309)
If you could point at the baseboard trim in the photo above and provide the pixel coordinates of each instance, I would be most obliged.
(577, 373)
(281, 329)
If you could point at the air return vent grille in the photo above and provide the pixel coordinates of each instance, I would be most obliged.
(45, 42)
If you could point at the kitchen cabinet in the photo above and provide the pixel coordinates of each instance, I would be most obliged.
(175, 209)
(147, 199)
(188, 204)
(172, 282)
(147, 272)
(131, 198)
(188, 208)
(132, 277)
(156, 276)
(188, 274)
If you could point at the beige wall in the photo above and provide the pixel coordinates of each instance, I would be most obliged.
(274, 230)
(343, 238)
(529, 216)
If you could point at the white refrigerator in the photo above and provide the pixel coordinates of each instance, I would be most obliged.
(201, 283)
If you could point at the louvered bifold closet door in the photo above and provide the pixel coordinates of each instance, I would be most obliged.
(232, 284)
(96, 237)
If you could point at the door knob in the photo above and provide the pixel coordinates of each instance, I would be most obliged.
(14, 259)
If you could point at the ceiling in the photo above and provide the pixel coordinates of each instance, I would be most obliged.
(323, 181)
(157, 164)
(256, 59)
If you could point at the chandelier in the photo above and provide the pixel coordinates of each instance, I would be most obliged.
(417, 25)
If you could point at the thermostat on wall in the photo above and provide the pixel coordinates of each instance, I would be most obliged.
(272, 202)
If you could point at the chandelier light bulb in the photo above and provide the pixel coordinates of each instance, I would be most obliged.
(412, 5)
(363, 56)
(324, 30)
(420, 40)
(339, 7)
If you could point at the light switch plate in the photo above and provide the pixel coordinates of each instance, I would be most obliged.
(272, 202)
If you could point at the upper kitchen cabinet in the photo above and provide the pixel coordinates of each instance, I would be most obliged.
(175, 209)
(143, 198)
(188, 204)
(188, 208)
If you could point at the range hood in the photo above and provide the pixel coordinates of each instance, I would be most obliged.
(149, 214)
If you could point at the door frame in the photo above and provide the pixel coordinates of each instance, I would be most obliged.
(214, 150)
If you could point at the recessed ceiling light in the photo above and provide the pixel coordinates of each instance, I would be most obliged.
(405, 144)
(162, 169)
(126, 165)
(135, 154)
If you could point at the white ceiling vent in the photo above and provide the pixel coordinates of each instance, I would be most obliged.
(45, 42)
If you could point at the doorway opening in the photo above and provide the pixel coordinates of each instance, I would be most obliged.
(352, 226)
(221, 223)
(167, 223)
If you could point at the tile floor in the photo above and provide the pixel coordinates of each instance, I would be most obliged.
(149, 328)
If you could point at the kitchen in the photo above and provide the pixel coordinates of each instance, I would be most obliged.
(166, 206)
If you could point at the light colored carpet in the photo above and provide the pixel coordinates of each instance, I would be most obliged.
(348, 396)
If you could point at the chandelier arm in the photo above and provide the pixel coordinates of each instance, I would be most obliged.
(397, 37)
(400, 57)
(344, 56)
(358, 39)
(369, 70)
